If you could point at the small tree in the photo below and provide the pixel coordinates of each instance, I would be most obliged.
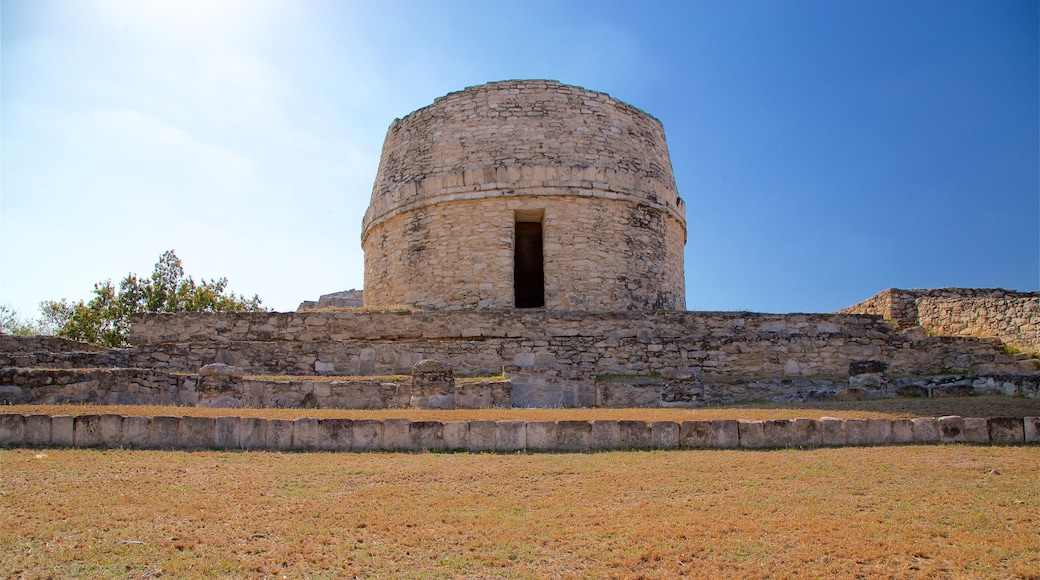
(105, 319)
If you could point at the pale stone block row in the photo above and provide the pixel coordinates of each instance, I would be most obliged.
(402, 435)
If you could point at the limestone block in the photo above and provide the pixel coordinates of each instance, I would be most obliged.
(63, 430)
(511, 435)
(456, 435)
(951, 429)
(664, 434)
(111, 427)
(926, 430)
(335, 434)
(396, 436)
(1031, 432)
(902, 431)
(38, 429)
(856, 432)
(253, 433)
(726, 433)
(779, 432)
(197, 433)
(573, 435)
(135, 432)
(976, 430)
(12, 429)
(696, 434)
(483, 435)
(162, 432)
(87, 431)
(426, 435)
(279, 435)
(605, 434)
(542, 436)
(366, 435)
(833, 432)
(807, 433)
(305, 434)
(752, 435)
(228, 433)
(879, 432)
(635, 434)
(1006, 430)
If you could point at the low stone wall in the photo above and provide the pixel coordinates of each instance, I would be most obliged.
(544, 345)
(311, 434)
(1013, 317)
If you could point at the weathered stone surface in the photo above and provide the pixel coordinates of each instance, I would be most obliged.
(573, 435)
(335, 434)
(951, 429)
(306, 434)
(111, 430)
(253, 433)
(12, 429)
(664, 434)
(879, 432)
(37, 429)
(976, 430)
(778, 432)
(808, 433)
(542, 436)
(635, 434)
(726, 433)
(1031, 434)
(902, 431)
(279, 435)
(367, 435)
(851, 394)
(427, 435)
(1006, 430)
(197, 433)
(926, 430)
(605, 434)
(866, 367)
(752, 435)
(228, 433)
(162, 432)
(396, 435)
(87, 431)
(696, 435)
(511, 435)
(856, 432)
(135, 432)
(456, 435)
(63, 430)
(483, 435)
(833, 432)
(221, 369)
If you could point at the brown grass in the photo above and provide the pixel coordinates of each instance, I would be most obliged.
(903, 512)
(882, 408)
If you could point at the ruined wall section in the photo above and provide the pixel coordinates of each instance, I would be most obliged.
(1013, 317)
(455, 176)
(566, 345)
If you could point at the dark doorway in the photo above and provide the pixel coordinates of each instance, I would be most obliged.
(528, 272)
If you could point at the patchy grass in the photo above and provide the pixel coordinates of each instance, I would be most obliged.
(900, 512)
(990, 406)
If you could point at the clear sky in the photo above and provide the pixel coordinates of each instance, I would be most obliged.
(825, 150)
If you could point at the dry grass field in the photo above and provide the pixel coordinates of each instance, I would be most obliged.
(896, 512)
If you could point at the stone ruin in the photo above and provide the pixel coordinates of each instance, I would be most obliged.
(524, 247)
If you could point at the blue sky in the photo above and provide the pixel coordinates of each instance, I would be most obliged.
(825, 150)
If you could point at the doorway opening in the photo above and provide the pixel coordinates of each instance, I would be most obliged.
(528, 268)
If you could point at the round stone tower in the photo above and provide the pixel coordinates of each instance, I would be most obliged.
(525, 194)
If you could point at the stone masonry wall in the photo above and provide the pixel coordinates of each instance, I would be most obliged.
(456, 176)
(1013, 317)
